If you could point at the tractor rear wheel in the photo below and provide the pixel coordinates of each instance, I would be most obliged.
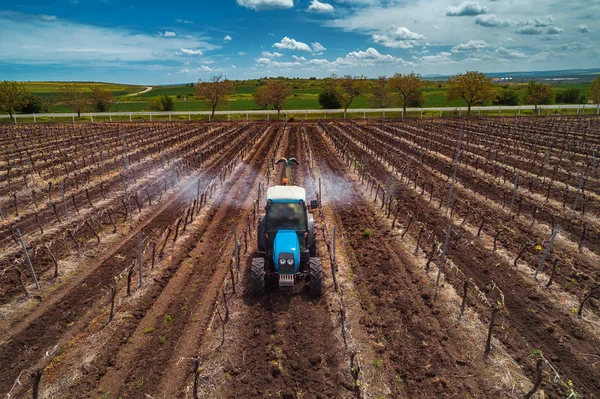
(258, 276)
(315, 273)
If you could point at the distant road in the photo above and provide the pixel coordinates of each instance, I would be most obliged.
(148, 88)
(299, 113)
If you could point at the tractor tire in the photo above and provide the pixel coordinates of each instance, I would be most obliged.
(258, 276)
(315, 273)
(313, 250)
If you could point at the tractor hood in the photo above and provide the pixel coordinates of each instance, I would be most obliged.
(285, 248)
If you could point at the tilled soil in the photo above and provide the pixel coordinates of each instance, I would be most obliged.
(416, 345)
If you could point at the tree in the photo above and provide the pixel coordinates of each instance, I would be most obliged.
(507, 96)
(594, 91)
(29, 104)
(48, 102)
(348, 88)
(473, 87)
(569, 96)
(11, 94)
(381, 96)
(407, 86)
(75, 97)
(101, 100)
(329, 100)
(417, 99)
(538, 93)
(261, 97)
(274, 92)
(215, 91)
(162, 103)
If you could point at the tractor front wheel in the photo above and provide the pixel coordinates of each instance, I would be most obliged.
(315, 274)
(258, 276)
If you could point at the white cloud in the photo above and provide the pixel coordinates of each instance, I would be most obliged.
(466, 8)
(583, 28)
(191, 71)
(183, 21)
(258, 5)
(227, 38)
(400, 37)
(34, 41)
(241, 53)
(48, 18)
(553, 30)
(317, 6)
(506, 53)
(355, 59)
(186, 51)
(168, 33)
(530, 30)
(267, 54)
(277, 64)
(318, 47)
(491, 21)
(441, 58)
(471, 45)
(291, 44)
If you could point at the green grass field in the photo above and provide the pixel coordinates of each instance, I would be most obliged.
(47, 89)
(305, 95)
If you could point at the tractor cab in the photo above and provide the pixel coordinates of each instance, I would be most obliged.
(286, 242)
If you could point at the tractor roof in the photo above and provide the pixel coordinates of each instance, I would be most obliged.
(286, 193)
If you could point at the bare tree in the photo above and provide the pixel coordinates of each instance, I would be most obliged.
(274, 92)
(407, 86)
(215, 91)
(348, 88)
(75, 97)
(381, 96)
(11, 94)
(472, 87)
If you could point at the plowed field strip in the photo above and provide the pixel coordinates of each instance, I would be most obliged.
(66, 316)
(287, 345)
(417, 348)
(181, 312)
(530, 321)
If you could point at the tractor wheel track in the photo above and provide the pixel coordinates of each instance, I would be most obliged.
(200, 271)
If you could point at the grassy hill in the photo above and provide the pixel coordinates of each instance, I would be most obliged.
(305, 94)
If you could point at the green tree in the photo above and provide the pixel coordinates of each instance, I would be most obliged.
(329, 100)
(162, 103)
(380, 97)
(594, 91)
(11, 94)
(101, 100)
(507, 96)
(472, 87)
(215, 91)
(569, 96)
(407, 87)
(29, 104)
(538, 93)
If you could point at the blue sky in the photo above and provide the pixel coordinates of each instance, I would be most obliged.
(159, 42)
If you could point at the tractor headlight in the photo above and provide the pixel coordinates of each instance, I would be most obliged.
(290, 262)
(282, 261)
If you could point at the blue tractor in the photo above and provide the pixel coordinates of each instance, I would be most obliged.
(287, 245)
